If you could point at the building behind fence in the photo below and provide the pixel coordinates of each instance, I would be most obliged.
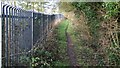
(21, 30)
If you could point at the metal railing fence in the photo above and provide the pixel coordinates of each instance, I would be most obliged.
(21, 29)
(16, 33)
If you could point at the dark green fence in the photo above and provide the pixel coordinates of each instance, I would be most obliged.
(21, 30)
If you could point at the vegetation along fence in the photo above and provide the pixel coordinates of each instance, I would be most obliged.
(21, 30)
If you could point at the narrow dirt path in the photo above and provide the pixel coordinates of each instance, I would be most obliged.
(70, 49)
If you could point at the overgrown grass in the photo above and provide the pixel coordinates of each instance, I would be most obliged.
(83, 53)
(73, 34)
(61, 44)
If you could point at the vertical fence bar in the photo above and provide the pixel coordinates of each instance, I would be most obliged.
(14, 28)
(40, 28)
(27, 31)
(32, 19)
(6, 35)
(3, 17)
(4, 29)
(49, 23)
(0, 34)
(11, 36)
(33, 26)
(32, 32)
(21, 21)
(19, 34)
(17, 38)
(43, 29)
(3, 34)
(23, 30)
(47, 28)
(31, 14)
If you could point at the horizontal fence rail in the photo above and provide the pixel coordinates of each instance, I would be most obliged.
(21, 30)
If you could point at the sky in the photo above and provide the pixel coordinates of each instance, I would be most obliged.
(50, 6)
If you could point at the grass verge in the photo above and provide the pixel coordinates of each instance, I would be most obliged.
(61, 44)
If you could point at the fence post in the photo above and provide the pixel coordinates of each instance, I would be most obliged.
(17, 48)
(32, 31)
(42, 27)
(3, 33)
(0, 35)
(9, 32)
(12, 35)
(6, 37)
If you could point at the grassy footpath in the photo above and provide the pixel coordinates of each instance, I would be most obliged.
(61, 44)
(83, 53)
(72, 32)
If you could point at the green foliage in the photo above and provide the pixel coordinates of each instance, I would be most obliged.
(114, 59)
(25, 59)
(61, 31)
(44, 58)
(65, 6)
(112, 9)
(61, 44)
(90, 14)
(40, 58)
(109, 10)
(34, 60)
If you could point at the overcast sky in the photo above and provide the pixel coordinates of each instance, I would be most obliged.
(49, 6)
